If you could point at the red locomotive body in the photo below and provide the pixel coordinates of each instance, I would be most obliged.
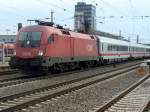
(53, 49)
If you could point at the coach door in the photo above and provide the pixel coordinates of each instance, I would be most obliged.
(98, 45)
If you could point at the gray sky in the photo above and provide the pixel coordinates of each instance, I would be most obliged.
(129, 16)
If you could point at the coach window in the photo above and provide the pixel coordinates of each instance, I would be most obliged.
(132, 49)
(50, 39)
(129, 48)
(114, 48)
(109, 47)
(118, 48)
(102, 46)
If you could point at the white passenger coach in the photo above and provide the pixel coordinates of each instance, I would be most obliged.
(116, 50)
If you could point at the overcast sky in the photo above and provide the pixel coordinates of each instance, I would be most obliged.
(131, 17)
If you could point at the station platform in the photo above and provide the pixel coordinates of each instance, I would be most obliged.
(5, 64)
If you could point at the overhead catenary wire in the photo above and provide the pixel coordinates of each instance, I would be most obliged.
(54, 5)
(64, 19)
(140, 18)
(123, 16)
(114, 8)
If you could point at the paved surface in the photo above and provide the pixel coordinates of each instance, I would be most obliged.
(4, 64)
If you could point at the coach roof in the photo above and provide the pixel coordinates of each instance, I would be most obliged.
(113, 41)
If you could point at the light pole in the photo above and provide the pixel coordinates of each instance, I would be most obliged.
(7, 30)
(52, 16)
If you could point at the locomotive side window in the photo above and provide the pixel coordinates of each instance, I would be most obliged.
(50, 39)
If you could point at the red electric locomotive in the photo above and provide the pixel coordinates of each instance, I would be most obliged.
(54, 49)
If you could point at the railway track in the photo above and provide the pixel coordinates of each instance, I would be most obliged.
(6, 70)
(14, 76)
(23, 100)
(136, 98)
(24, 79)
(147, 107)
(6, 73)
(4, 67)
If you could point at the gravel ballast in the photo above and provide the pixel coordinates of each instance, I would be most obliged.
(18, 88)
(88, 98)
(134, 101)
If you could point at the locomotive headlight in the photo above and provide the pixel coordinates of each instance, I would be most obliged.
(40, 53)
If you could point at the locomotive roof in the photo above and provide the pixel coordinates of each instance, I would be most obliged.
(35, 28)
(81, 35)
(56, 31)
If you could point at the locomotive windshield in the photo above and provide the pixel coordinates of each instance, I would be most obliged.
(29, 39)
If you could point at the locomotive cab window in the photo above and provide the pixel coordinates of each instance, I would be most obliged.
(22, 38)
(29, 39)
(50, 39)
(36, 36)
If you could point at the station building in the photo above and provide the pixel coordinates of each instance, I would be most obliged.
(8, 38)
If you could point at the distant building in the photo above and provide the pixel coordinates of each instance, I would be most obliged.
(8, 38)
(85, 17)
(79, 21)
